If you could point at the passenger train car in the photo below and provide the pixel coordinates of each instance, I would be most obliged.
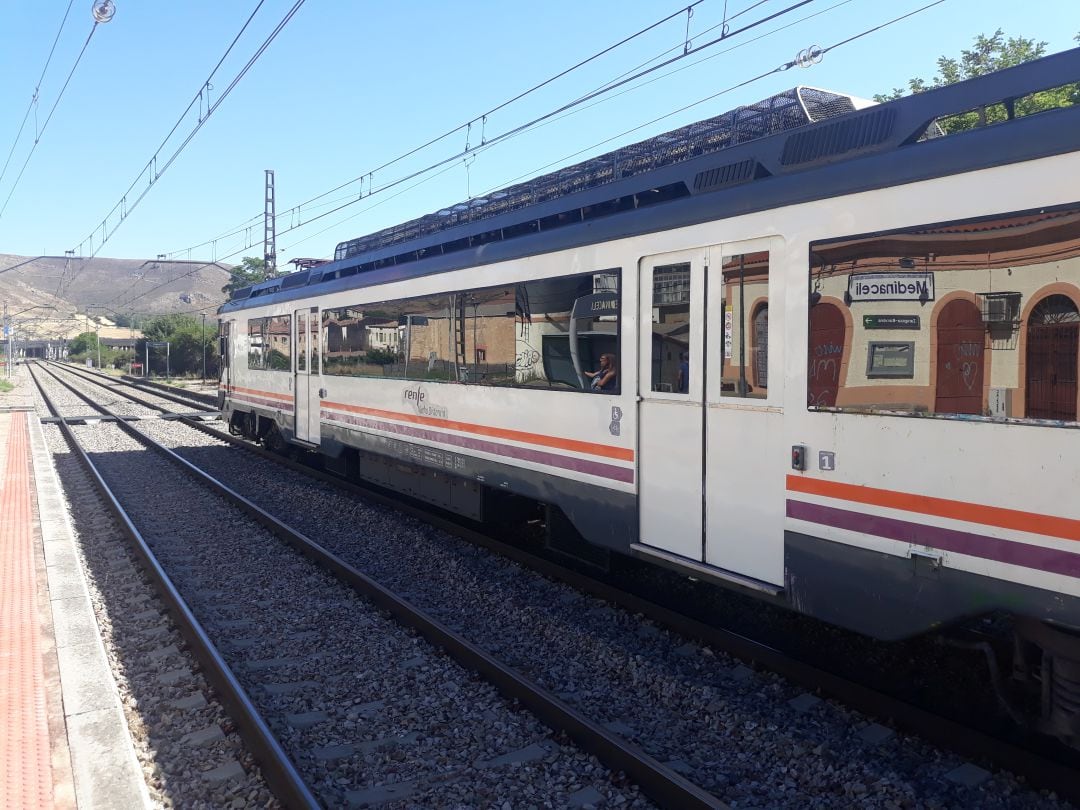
(845, 348)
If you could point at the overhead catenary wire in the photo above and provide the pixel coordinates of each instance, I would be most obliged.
(152, 168)
(472, 150)
(817, 54)
(478, 118)
(799, 60)
(48, 118)
(563, 160)
(489, 142)
(296, 209)
(37, 90)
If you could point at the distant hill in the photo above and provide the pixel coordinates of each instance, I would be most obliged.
(71, 285)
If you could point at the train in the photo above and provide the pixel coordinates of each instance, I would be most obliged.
(818, 350)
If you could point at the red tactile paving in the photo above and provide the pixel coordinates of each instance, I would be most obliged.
(25, 772)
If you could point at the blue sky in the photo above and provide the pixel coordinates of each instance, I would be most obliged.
(348, 86)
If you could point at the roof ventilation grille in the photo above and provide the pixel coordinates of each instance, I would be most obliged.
(828, 140)
(729, 174)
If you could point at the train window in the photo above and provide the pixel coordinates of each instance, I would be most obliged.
(223, 344)
(746, 325)
(301, 346)
(979, 318)
(268, 343)
(548, 333)
(406, 339)
(671, 329)
(565, 327)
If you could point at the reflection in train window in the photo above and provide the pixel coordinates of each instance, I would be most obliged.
(746, 325)
(671, 328)
(975, 318)
(268, 343)
(546, 334)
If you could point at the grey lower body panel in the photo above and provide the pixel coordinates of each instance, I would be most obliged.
(603, 516)
(879, 595)
(891, 597)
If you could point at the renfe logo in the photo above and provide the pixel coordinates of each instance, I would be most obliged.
(417, 399)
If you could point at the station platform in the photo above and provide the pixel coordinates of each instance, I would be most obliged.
(64, 742)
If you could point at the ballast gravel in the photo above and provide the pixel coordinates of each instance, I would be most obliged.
(105, 391)
(183, 739)
(368, 712)
(751, 738)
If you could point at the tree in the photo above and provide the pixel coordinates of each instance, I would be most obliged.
(83, 343)
(988, 55)
(250, 271)
(185, 336)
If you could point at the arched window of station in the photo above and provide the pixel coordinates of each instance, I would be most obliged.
(961, 356)
(826, 353)
(1053, 334)
(760, 344)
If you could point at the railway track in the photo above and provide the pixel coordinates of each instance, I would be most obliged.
(692, 663)
(236, 628)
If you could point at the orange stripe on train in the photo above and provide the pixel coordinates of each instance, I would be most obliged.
(1015, 519)
(620, 453)
(258, 393)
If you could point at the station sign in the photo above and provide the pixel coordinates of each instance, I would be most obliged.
(890, 287)
(891, 322)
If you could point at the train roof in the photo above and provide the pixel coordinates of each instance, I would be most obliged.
(758, 154)
(784, 111)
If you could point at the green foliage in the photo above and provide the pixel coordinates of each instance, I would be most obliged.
(186, 340)
(381, 357)
(250, 271)
(5, 386)
(988, 55)
(83, 344)
(279, 361)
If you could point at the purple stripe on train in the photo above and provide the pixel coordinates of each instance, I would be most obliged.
(524, 453)
(976, 545)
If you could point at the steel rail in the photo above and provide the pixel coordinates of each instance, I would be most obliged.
(951, 734)
(1038, 770)
(168, 391)
(660, 783)
(97, 378)
(280, 773)
(158, 390)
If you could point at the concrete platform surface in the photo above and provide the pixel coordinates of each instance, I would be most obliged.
(64, 740)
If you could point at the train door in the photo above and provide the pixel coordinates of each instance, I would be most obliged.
(745, 458)
(711, 458)
(305, 409)
(671, 422)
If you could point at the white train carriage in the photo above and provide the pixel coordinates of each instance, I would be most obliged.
(846, 349)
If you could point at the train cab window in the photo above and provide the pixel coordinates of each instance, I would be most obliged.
(269, 342)
(972, 318)
(671, 329)
(746, 325)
